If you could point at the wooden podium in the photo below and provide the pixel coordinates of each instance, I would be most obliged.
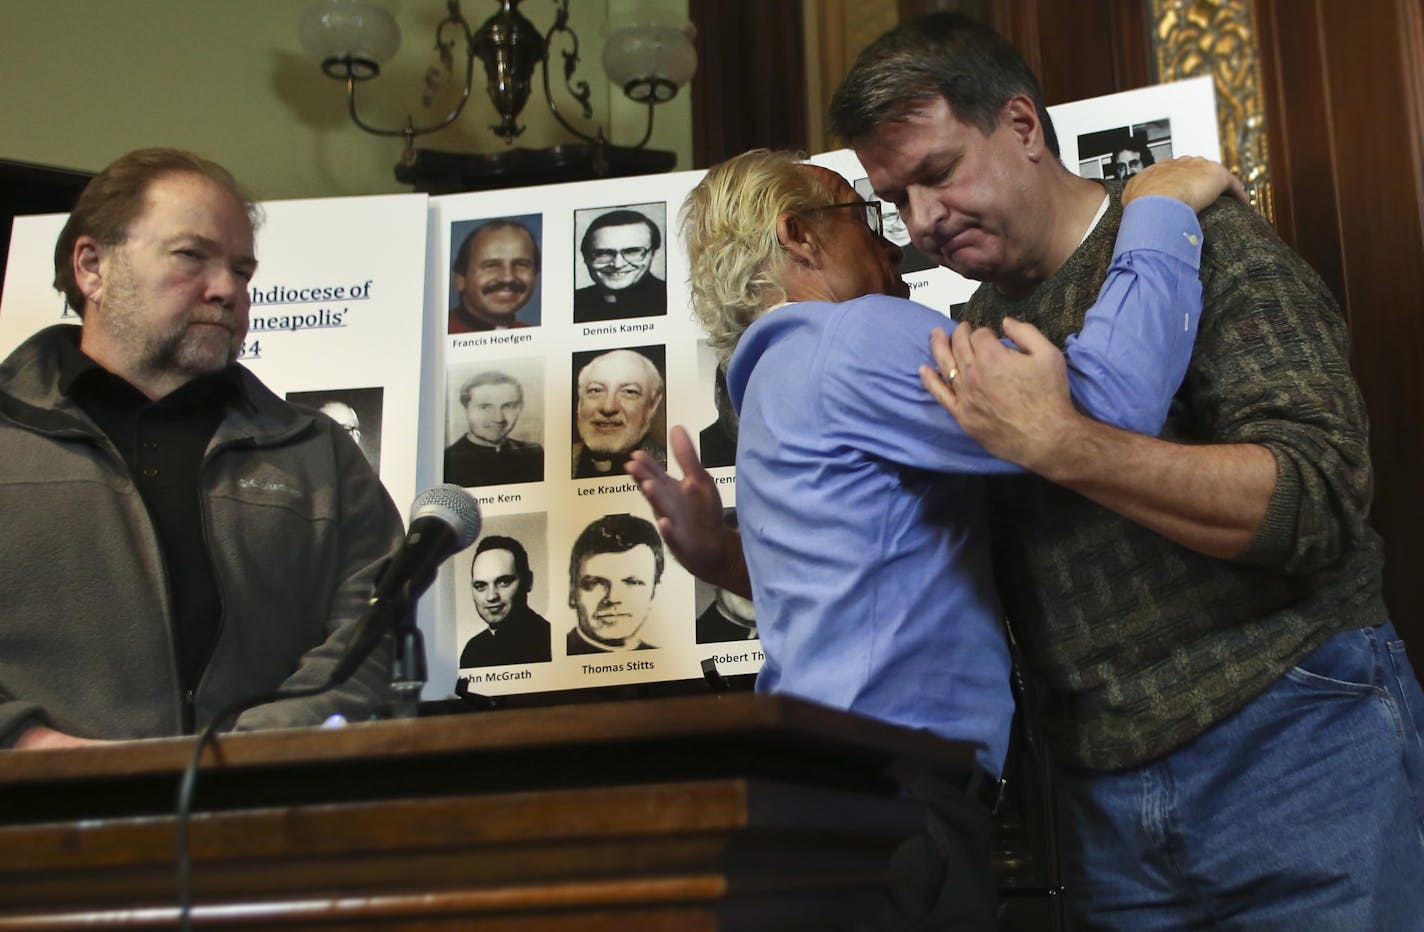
(717, 811)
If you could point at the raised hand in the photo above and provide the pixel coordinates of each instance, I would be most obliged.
(689, 515)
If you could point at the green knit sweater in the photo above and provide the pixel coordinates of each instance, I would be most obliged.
(1142, 644)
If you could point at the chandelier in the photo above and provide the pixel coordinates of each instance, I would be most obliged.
(648, 54)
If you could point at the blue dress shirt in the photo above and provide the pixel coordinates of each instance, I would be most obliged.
(860, 500)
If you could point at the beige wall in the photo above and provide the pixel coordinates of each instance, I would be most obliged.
(82, 81)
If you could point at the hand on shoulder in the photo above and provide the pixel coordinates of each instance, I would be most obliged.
(1195, 181)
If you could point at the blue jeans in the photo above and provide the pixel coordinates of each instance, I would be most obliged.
(1304, 811)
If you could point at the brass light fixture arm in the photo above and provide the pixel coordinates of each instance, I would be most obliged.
(453, 18)
(579, 91)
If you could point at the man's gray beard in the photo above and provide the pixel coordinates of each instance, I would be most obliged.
(177, 353)
(182, 353)
(610, 451)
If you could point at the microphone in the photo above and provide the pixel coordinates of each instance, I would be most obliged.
(444, 519)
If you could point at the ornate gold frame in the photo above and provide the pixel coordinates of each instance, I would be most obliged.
(1218, 37)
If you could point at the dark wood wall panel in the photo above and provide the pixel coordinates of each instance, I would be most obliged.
(1298, 130)
(1077, 55)
(750, 86)
(1344, 119)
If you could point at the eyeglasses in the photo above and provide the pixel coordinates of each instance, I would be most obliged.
(870, 212)
(632, 255)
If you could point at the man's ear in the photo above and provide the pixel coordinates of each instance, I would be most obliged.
(89, 267)
(798, 239)
(459, 282)
(1021, 117)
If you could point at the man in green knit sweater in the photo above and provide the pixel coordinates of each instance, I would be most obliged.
(1235, 724)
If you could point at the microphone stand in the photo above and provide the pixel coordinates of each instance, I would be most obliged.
(408, 669)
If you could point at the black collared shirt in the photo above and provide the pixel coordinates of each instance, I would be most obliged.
(163, 443)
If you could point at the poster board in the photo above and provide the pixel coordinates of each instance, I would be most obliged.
(548, 508)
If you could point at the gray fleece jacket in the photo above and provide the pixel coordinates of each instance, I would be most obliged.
(297, 525)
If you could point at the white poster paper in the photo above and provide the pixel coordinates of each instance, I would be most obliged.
(629, 227)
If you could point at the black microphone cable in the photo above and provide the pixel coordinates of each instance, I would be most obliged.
(449, 512)
(188, 784)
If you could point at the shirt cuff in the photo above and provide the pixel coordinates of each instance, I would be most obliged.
(1163, 224)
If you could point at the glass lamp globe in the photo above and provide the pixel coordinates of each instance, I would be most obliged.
(349, 36)
(649, 54)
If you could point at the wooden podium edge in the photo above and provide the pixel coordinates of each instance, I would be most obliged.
(741, 715)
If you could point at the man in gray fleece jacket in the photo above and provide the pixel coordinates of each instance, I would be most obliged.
(177, 537)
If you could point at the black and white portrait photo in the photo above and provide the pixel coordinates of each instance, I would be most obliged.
(1119, 153)
(621, 267)
(495, 427)
(716, 442)
(723, 615)
(505, 578)
(357, 410)
(615, 566)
